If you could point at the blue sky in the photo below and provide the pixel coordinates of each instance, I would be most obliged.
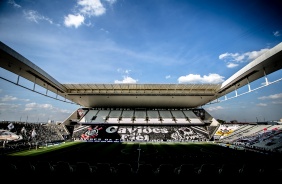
(143, 42)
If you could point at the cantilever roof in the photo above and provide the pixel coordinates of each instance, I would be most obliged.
(142, 95)
(172, 89)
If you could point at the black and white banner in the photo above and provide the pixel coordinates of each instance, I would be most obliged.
(141, 133)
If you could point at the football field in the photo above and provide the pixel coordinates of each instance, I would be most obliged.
(139, 152)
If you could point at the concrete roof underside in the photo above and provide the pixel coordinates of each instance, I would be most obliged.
(139, 95)
(142, 95)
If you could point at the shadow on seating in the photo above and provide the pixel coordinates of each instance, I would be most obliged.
(124, 172)
(186, 170)
(165, 172)
(44, 169)
(145, 170)
(8, 169)
(230, 170)
(249, 171)
(104, 172)
(208, 171)
(64, 171)
(84, 172)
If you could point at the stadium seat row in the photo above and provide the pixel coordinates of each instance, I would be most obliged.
(84, 172)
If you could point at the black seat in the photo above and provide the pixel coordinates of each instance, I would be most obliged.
(186, 170)
(64, 171)
(165, 172)
(104, 172)
(250, 171)
(8, 169)
(84, 172)
(207, 171)
(145, 170)
(104, 169)
(124, 170)
(25, 167)
(230, 170)
(270, 171)
(44, 169)
(84, 168)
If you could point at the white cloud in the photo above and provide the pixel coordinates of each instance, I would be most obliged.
(8, 98)
(6, 106)
(34, 106)
(231, 65)
(263, 83)
(275, 96)
(73, 20)
(167, 77)
(126, 79)
(12, 2)
(86, 8)
(65, 111)
(127, 71)
(46, 108)
(30, 106)
(214, 108)
(195, 78)
(91, 7)
(102, 29)
(255, 54)
(110, 1)
(233, 58)
(276, 33)
(275, 102)
(262, 104)
(34, 16)
(12, 98)
(228, 55)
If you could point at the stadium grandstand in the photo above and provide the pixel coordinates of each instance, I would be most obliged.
(131, 133)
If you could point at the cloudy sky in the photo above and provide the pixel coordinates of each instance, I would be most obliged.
(143, 42)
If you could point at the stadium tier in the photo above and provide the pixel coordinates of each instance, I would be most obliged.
(127, 116)
(101, 153)
(155, 125)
